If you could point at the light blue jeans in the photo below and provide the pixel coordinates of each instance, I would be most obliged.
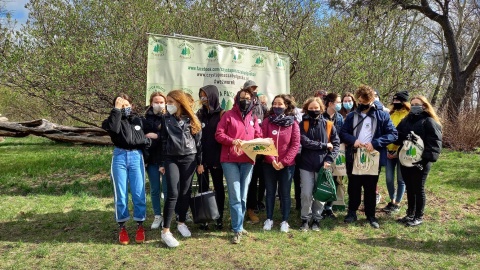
(128, 169)
(238, 176)
(155, 190)
(390, 177)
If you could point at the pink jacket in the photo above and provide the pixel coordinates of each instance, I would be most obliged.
(231, 127)
(287, 141)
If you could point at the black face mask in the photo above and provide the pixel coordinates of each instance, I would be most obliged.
(313, 114)
(363, 107)
(397, 106)
(244, 104)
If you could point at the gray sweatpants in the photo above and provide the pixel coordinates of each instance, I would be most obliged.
(310, 207)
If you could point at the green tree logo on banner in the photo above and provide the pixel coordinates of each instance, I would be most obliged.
(229, 105)
(226, 104)
(259, 60)
(223, 104)
(157, 48)
(186, 51)
(212, 54)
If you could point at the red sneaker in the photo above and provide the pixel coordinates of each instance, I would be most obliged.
(123, 237)
(140, 237)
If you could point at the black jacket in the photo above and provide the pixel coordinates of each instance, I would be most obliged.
(153, 123)
(177, 138)
(314, 144)
(209, 118)
(425, 127)
(126, 132)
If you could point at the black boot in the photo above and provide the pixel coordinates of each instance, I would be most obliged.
(351, 217)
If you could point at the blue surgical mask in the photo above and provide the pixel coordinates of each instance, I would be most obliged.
(338, 107)
(348, 105)
(126, 111)
(278, 111)
(416, 109)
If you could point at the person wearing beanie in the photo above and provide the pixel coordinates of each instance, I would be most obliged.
(400, 107)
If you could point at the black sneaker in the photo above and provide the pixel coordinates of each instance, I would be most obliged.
(405, 219)
(204, 226)
(373, 222)
(219, 224)
(304, 227)
(395, 209)
(351, 217)
(388, 208)
(315, 225)
(414, 222)
(328, 214)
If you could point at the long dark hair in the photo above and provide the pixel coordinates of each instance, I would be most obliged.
(344, 112)
(289, 104)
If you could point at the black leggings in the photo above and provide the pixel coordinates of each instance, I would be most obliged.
(415, 183)
(179, 172)
(217, 179)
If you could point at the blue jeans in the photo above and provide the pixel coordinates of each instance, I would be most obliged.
(128, 168)
(238, 176)
(390, 177)
(154, 178)
(283, 178)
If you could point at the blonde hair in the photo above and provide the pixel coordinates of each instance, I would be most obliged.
(186, 108)
(310, 100)
(428, 108)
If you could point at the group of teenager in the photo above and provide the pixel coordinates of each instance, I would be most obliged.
(173, 144)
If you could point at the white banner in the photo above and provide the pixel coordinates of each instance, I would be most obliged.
(179, 63)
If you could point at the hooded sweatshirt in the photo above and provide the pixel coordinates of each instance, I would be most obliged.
(236, 124)
(209, 118)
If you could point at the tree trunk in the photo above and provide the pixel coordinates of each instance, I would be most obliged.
(55, 132)
(440, 82)
(454, 97)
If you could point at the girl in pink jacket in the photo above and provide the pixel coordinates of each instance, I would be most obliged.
(280, 125)
(235, 126)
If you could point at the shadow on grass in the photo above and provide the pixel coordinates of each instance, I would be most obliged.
(99, 188)
(93, 226)
(465, 182)
(71, 227)
(463, 241)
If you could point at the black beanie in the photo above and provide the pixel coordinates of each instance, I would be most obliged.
(402, 96)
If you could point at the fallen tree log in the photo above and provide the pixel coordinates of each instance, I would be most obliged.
(55, 132)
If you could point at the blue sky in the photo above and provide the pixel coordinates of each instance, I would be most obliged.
(17, 9)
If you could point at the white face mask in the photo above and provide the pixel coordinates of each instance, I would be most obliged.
(171, 108)
(158, 107)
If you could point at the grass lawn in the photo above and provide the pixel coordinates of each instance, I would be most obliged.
(56, 211)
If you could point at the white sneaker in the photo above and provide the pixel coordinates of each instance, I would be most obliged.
(183, 229)
(284, 226)
(267, 225)
(169, 240)
(157, 222)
